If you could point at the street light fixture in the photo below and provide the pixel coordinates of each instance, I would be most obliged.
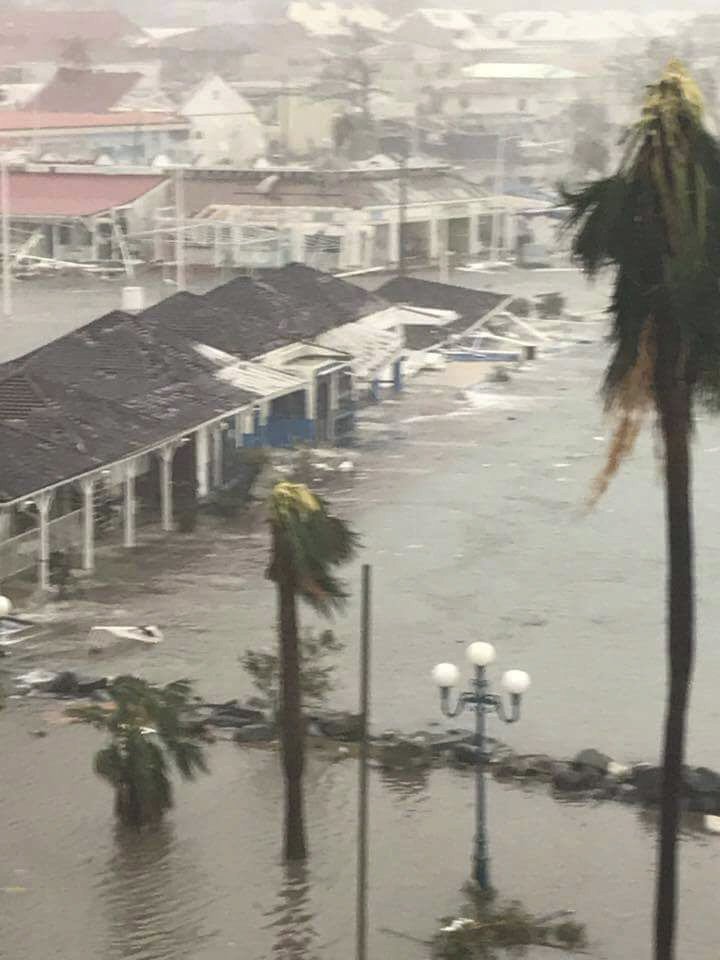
(515, 682)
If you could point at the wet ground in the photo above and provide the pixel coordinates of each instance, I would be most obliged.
(471, 507)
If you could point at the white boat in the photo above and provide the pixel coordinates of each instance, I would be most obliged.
(107, 637)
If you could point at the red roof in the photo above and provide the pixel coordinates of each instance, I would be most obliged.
(83, 91)
(17, 121)
(74, 194)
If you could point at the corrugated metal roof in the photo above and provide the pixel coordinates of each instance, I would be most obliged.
(254, 377)
(371, 349)
(74, 194)
(410, 317)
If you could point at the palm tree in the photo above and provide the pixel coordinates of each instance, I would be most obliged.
(149, 726)
(307, 543)
(656, 221)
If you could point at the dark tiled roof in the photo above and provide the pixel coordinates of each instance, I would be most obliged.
(250, 316)
(83, 91)
(470, 305)
(124, 383)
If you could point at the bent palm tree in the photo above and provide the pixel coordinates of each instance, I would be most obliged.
(307, 543)
(148, 726)
(656, 221)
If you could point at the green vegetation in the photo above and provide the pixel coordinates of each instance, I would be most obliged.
(315, 671)
(149, 729)
(308, 542)
(491, 929)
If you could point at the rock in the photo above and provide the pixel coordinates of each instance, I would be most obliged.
(255, 733)
(65, 684)
(468, 753)
(442, 742)
(233, 714)
(702, 781)
(648, 782)
(88, 685)
(627, 793)
(339, 725)
(569, 778)
(38, 733)
(594, 759)
(406, 753)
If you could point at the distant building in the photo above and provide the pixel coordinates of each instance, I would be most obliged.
(80, 217)
(341, 219)
(125, 137)
(534, 89)
(224, 127)
(74, 90)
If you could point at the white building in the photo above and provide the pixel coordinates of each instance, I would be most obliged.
(224, 127)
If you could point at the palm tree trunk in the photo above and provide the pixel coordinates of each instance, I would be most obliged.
(674, 406)
(291, 721)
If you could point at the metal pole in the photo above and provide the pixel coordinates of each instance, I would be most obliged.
(499, 187)
(6, 246)
(402, 208)
(362, 851)
(180, 229)
(481, 859)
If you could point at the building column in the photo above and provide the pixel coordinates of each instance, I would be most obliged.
(434, 237)
(202, 462)
(398, 375)
(217, 456)
(166, 494)
(474, 238)
(95, 242)
(129, 539)
(311, 399)
(394, 245)
(87, 485)
(44, 502)
(333, 403)
(297, 244)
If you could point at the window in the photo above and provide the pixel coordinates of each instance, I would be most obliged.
(64, 236)
(463, 102)
(522, 104)
(216, 94)
(198, 135)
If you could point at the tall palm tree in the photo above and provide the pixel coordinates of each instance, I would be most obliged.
(149, 727)
(656, 221)
(308, 541)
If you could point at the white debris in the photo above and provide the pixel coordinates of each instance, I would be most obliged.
(711, 823)
(347, 466)
(458, 924)
(617, 770)
(36, 678)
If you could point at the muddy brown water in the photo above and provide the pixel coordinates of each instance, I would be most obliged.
(471, 510)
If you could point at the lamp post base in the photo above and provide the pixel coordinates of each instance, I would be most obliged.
(481, 872)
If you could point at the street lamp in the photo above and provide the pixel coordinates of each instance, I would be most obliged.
(480, 699)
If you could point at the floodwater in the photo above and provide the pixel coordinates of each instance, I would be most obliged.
(471, 507)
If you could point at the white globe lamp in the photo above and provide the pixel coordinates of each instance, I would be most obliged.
(516, 682)
(446, 675)
(481, 654)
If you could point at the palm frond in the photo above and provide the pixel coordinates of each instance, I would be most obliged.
(309, 542)
(656, 223)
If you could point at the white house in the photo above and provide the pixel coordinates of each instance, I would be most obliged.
(223, 125)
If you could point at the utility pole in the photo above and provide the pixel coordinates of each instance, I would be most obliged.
(6, 244)
(499, 188)
(402, 207)
(180, 228)
(361, 918)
